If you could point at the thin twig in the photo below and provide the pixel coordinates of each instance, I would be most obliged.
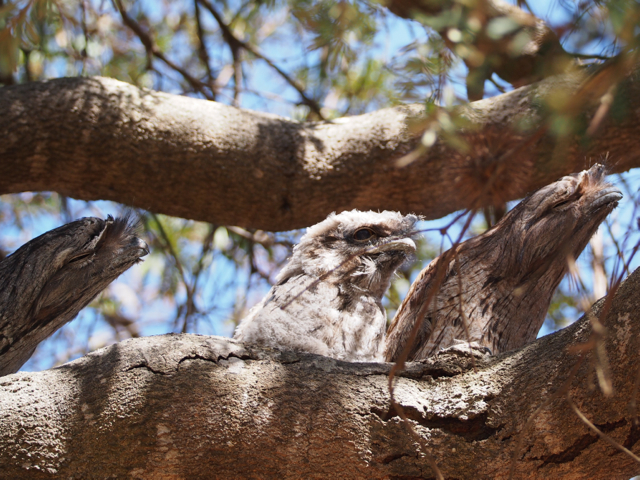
(259, 236)
(619, 252)
(191, 307)
(585, 56)
(232, 39)
(207, 246)
(600, 433)
(499, 87)
(202, 50)
(153, 50)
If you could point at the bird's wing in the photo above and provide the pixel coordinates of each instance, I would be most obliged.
(295, 314)
(399, 333)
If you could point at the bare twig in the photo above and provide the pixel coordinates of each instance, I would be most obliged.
(207, 246)
(600, 433)
(191, 306)
(202, 50)
(153, 50)
(259, 236)
(231, 39)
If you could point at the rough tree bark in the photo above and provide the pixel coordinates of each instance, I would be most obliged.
(97, 138)
(188, 406)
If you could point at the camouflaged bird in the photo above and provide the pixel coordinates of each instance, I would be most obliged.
(47, 281)
(507, 275)
(327, 299)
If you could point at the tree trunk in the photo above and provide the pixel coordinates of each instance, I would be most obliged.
(190, 406)
(97, 138)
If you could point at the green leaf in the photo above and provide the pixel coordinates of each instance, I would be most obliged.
(501, 26)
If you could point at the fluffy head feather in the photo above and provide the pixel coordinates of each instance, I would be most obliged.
(327, 298)
(331, 250)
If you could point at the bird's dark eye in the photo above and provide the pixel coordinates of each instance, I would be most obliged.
(82, 256)
(363, 234)
(572, 198)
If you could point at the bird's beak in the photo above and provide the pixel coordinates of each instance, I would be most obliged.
(404, 245)
(143, 248)
(607, 196)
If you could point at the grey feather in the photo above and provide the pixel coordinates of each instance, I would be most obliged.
(508, 274)
(327, 299)
(47, 281)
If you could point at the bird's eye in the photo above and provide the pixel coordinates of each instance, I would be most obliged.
(568, 200)
(82, 256)
(363, 234)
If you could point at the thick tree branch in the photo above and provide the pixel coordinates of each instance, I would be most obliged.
(97, 138)
(187, 405)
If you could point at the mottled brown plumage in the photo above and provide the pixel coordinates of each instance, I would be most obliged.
(507, 275)
(47, 281)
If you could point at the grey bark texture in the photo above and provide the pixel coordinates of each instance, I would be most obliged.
(47, 281)
(97, 138)
(189, 406)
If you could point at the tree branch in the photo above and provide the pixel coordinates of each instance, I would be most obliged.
(186, 405)
(234, 43)
(527, 53)
(202, 51)
(97, 138)
(153, 50)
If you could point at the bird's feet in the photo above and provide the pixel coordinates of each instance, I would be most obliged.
(468, 349)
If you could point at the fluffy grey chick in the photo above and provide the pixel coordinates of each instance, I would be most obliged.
(508, 274)
(327, 299)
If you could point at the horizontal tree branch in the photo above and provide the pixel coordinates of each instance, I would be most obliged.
(188, 405)
(98, 138)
